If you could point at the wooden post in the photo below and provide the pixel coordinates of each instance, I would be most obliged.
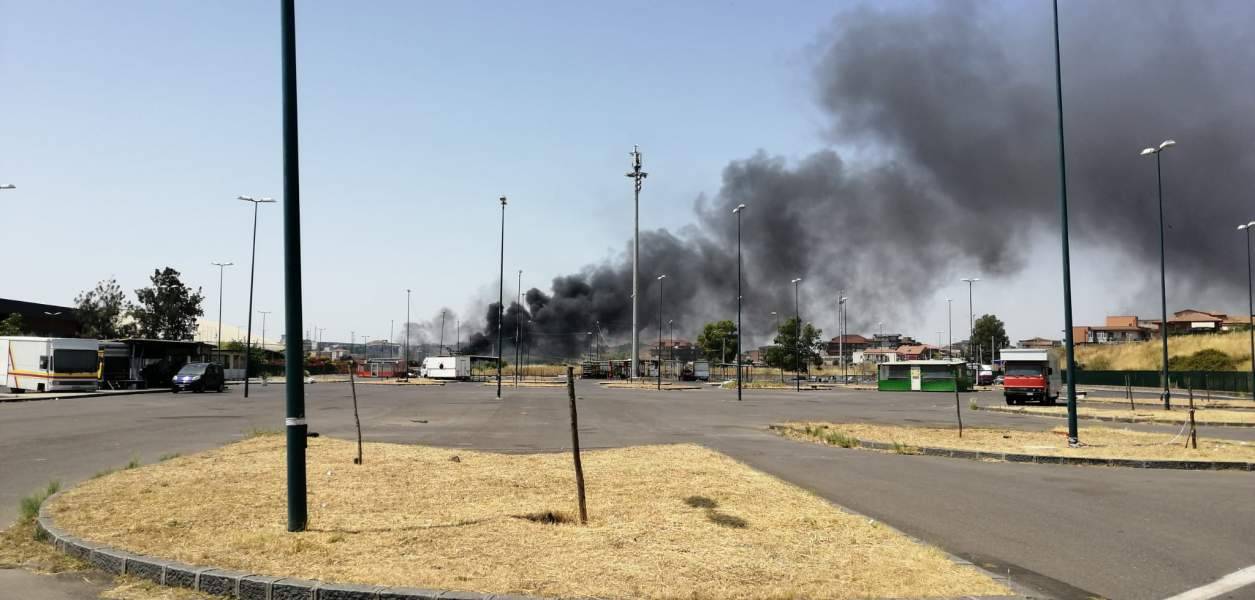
(575, 445)
(957, 410)
(356, 418)
(1193, 429)
(1128, 390)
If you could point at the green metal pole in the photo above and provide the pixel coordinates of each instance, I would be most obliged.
(294, 361)
(1250, 307)
(1163, 288)
(500, 296)
(1073, 439)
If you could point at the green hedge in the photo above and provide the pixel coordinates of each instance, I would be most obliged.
(1221, 381)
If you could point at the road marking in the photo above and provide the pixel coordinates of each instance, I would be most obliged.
(1228, 583)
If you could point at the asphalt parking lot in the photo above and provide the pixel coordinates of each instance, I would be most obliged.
(1064, 530)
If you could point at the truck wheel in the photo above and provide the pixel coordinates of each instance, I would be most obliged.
(1009, 401)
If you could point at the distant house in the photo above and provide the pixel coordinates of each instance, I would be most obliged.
(875, 356)
(1118, 329)
(1038, 342)
(1188, 321)
(679, 350)
(915, 352)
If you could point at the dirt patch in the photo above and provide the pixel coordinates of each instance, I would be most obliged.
(1099, 442)
(410, 516)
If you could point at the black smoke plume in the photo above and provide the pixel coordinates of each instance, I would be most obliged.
(949, 111)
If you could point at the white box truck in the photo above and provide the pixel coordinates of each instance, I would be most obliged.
(446, 367)
(42, 364)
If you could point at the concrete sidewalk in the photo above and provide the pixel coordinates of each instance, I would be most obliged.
(30, 397)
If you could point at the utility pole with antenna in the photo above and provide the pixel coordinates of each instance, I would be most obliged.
(638, 176)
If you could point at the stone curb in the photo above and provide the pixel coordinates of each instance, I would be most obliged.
(72, 395)
(1045, 459)
(234, 584)
(1020, 411)
(246, 586)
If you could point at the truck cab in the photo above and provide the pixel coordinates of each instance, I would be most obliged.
(1028, 376)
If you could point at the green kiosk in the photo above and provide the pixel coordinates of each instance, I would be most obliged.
(923, 376)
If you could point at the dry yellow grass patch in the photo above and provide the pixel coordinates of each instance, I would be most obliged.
(20, 549)
(666, 521)
(411, 381)
(1199, 402)
(1176, 416)
(650, 385)
(1147, 356)
(1099, 442)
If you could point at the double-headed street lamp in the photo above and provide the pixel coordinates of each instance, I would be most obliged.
(971, 315)
(660, 278)
(1163, 284)
(737, 211)
(252, 266)
(797, 350)
(8, 186)
(1250, 305)
(221, 267)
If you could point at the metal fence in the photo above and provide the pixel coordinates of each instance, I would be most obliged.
(1220, 381)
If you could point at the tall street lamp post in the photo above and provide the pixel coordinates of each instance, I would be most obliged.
(407, 334)
(737, 211)
(518, 333)
(971, 316)
(841, 308)
(1250, 305)
(500, 296)
(1073, 439)
(294, 362)
(638, 176)
(797, 350)
(221, 267)
(263, 314)
(1163, 284)
(660, 278)
(252, 267)
(950, 329)
(442, 320)
(777, 316)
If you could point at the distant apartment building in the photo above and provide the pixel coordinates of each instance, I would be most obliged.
(845, 345)
(875, 356)
(679, 350)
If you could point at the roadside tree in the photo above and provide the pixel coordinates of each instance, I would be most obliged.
(718, 341)
(12, 325)
(986, 328)
(101, 310)
(783, 354)
(168, 309)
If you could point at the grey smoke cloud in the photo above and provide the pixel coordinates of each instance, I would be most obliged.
(950, 107)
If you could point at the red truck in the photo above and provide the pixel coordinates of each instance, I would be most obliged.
(1027, 376)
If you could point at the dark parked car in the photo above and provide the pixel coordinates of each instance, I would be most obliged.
(199, 377)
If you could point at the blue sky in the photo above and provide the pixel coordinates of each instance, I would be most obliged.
(130, 128)
(415, 117)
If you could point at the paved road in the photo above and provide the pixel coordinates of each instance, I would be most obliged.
(1119, 533)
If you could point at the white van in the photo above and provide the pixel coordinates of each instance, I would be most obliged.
(42, 364)
(446, 367)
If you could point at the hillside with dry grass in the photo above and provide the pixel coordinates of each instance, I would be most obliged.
(1145, 356)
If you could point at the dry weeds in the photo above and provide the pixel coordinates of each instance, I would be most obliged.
(1177, 416)
(666, 521)
(1099, 442)
(1147, 356)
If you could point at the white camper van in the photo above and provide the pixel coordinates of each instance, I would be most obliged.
(446, 367)
(41, 364)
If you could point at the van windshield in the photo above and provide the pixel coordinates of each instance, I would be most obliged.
(74, 361)
(1023, 370)
(193, 369)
